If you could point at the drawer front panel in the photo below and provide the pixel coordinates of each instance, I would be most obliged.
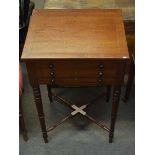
(79, 72)
(79, 81)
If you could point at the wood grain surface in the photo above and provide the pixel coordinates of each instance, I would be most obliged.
(76, 34)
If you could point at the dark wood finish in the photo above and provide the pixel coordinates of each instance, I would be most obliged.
(130, 36)
(75, 48)
(78, 72)
(129, 27)
(22, 122)
(39, 106)
(131, 77)
(49, 87)
(115, 104)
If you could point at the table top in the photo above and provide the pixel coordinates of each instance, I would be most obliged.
(76, 34)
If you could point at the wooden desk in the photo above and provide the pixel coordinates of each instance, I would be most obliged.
(76, 48)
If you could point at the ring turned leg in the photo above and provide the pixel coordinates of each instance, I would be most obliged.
(49, 92)
(115, 104)
(39, 106)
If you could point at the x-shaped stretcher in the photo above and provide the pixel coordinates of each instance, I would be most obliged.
(78, 110)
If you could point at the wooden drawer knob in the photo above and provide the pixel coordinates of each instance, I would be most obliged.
(101, 66)
(52, 73)
(75, 79)
(100, 80)
(51, 66)
(100, 73)
(52, 80)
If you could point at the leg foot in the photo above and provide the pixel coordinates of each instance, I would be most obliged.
(25, 136)
(110, 138)
(46, 140)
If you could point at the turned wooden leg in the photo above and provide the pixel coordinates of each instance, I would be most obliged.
(49, 92)
(130, 82)
(108, 92)
(115, 104)
(39, 106)
(22, 122)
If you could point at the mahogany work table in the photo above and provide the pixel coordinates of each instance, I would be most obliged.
(85, 47)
